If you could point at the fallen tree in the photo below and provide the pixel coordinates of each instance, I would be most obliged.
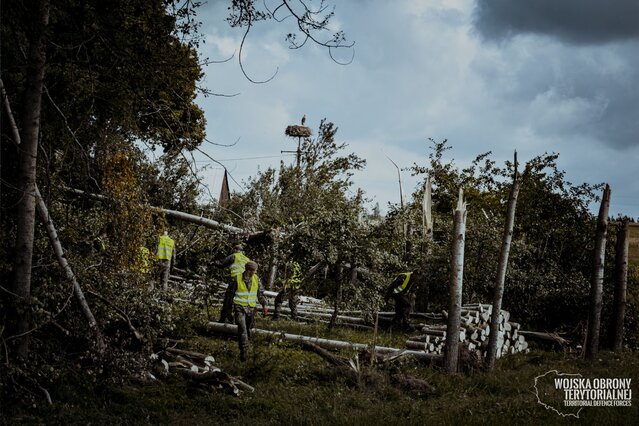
(186, 217)
(325, 343)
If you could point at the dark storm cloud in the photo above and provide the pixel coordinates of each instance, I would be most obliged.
(573, 21)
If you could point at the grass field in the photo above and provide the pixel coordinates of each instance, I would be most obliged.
(296, 387)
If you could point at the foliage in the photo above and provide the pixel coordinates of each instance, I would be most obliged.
(281, 199)
(548, 279)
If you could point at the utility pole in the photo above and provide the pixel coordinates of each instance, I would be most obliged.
(298, 132)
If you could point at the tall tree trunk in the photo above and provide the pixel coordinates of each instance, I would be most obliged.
(51, 231)
(621, 283)
(272, 273)
(491, 353)
(596, 283)
(408, 248)
(427, 244)
(27, 169)
(451, 353)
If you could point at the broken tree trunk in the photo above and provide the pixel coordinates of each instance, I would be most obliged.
(596, 284)
(457, 272)
(332, 359)
(186, 217)
(621, 283)
(491, 353)
(62, 260)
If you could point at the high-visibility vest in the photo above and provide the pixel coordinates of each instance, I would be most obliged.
(143, 259)
(296, 276)
(165, 248)
(239, 264)
(244, 296)
(404, 287)
(102, 243)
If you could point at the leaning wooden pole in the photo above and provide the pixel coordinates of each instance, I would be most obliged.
(491, 353)
(621, 283)
(596, 283)
(451, 353)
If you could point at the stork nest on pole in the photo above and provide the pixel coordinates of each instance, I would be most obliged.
(298, 131)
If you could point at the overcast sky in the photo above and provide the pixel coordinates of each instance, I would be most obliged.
(488, 75)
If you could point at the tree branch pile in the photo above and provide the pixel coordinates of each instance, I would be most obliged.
(200, 370)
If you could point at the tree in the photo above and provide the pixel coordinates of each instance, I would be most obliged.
(596, 282)
(491, 353)
(306, 201)
(116, 73)
(27, 165)
(549, 262)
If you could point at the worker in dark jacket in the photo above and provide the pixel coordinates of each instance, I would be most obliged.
(402, 291)
(235, 262)
(246, 290)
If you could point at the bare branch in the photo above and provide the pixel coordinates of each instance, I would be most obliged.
(239, 57)
(208, 61)
(330, 53)
(221, 144)
(207, 92)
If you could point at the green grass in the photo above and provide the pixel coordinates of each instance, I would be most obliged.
(296, 387)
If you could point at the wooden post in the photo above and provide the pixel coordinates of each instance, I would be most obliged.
(621, 283)
(491, 353)
(596, 283)
(457, 271)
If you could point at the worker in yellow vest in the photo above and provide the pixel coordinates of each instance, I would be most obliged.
(166, 258)
(235, 262)
(247, 290)
(292, 285)
(402, 291)
(100, 244)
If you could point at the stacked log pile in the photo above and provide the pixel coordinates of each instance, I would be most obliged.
(474, 332)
